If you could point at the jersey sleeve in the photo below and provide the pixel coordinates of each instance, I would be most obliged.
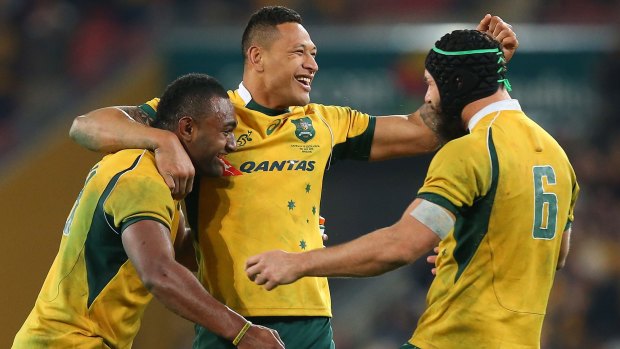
(455, 181)
(137, 197)
(573, 201)
(352, 131)
(150, 108)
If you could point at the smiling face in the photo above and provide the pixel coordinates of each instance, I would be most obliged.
(288, 66)
(211, 137)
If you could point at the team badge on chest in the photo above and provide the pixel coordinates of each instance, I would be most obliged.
(304, 129)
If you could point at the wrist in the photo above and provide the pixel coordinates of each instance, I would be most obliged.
(242, 332)
(302, 265)
(162, 139)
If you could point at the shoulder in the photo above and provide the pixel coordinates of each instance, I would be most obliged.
(463, 146)
(334, 111)
(134, 165)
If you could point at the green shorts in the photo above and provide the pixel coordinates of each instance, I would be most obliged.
(409, 346)
(299, 332)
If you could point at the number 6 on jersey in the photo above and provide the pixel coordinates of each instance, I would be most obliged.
(545, 204)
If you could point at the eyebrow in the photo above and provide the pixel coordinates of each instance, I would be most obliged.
(304, 46)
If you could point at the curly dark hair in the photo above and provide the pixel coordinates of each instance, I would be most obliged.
(188, 95)
(263, 22)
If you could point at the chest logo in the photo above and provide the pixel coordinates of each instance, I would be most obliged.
(304, 129)
(244, 138)
(273, 126)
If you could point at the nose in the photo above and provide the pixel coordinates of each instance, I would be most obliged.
(311, 64)
(427, 96)
(231, 143)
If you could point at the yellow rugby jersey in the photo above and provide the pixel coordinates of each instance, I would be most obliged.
(92, 296)
(512, 190)
(274, 203)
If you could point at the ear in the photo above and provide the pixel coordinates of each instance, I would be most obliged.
(255, 58)
(186, 128)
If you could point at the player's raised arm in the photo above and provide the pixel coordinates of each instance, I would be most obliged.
(400, 135)
(115, 128)
(405, 135)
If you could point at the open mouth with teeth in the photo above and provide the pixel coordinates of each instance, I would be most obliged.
(304, 80)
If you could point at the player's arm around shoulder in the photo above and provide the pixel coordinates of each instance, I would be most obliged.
(112, 129)
(103, 129)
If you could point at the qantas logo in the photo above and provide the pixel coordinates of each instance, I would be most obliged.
(229, 170)
(270, 166)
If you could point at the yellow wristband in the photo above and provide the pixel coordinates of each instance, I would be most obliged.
(244, 329)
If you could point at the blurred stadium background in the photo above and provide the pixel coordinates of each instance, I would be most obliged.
(62, 58)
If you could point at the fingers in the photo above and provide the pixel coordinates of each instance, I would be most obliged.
(184, 183)
(270, 285)
(494, 26)
(432, 259)
(180, 181)
(261, 279)
(484, 23)
(190, 184)
(181, 189)
(175, 167)
(169, 179)
(325, 237)
(252, 271)
(500, 31)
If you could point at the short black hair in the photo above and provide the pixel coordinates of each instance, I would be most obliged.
(188, 95)
(267, 18)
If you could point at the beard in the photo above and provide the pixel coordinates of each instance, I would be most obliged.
(447, 126)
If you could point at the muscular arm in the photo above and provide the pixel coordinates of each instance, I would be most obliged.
(112, 129)
(149, 248)
(404, 135)
(400, 135)
(115, 128)
(372, 254)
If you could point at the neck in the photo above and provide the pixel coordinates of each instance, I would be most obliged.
(472, 108)
(258, 91)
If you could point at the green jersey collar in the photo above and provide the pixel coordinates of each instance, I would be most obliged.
(251, 104)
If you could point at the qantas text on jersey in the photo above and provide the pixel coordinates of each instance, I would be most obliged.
(283, 165)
